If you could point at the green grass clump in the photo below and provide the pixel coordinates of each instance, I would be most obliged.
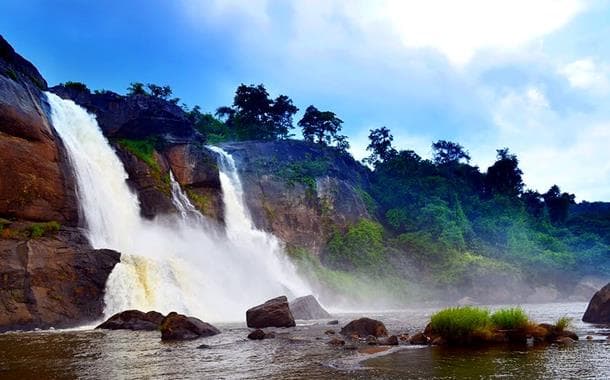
(510, 319)
(37, 230)
(563, 323)
(142, 149)
(456, 323)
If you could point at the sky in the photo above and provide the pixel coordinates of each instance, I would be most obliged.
(533, 76)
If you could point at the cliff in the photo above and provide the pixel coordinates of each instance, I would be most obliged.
(49, 274)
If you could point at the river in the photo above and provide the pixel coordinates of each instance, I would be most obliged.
(298, 353)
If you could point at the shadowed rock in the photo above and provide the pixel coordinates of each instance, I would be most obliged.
(598, 310)
(273, 313)
(133, 320)
(307, 307)
(180, 327)
(364, 327)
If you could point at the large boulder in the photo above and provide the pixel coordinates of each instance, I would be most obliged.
(180, 327)
(307, 307)
(598, 310)
(273, 313)
(52, 281)
(364, 327)
(133, 320)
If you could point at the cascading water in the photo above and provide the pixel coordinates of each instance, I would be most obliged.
(175, 263)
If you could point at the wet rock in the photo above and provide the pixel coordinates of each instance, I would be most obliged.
(257, 334)
(598, 310)
(350, 346)
(364, 327)
(203, 347)
(404, 337)
(273, 313)
(392, 340)
(438, 341)
(329, 332)
(333, 322)
(336, 342)
(589, 337)
(180, 327)
(565, 341)
(371, 340)
(133, 320)
(419, 339)
(307, 308)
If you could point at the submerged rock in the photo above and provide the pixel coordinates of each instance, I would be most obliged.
(307, 307)
(333, 322)
(133, 320)
(364, 327)
(273, 313)
(257, 334)
(392, 340)
(180, 327)
(419, 339)
(598, 310)
(336, 342)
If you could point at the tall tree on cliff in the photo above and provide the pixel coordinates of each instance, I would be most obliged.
(255, 116)
(322, 127)
(504, 176)
(447, 152)
(558, 204)
(380, 146)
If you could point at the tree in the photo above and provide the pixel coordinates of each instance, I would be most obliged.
(162, 92)
(136, 88)
(380, 145)
(447, 152)
(558, 204)
(504, 176)
(321, 127)
(533, 203)
(254, 115)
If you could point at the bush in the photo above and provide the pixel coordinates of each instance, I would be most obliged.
(457, 323)
(79, 86)
(142, 149)
(510, 319)
(37, 230)
(563, 323)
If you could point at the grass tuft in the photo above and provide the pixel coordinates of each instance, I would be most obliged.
(37, 230)
(510, 319)
(457, 323)
(563, 323)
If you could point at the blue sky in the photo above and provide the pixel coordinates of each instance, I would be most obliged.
(530, 75)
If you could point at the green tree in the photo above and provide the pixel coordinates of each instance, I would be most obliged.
(136, 88)
(447, 152)
(558, 204)
(380, 145)
(504, 176)
(321, 127)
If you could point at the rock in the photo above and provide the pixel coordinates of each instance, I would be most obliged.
(404, 337)
(565, 341)
(350, 346)
(203, 347)
(133, 320)
(270, 335)
(419, 339)
(392, 340)
(307, 308)
(55, 281)
(364, 327)
(589, 337)
(257, 334)
(438, 341)
(336, 342)
(180, 327)
(273, 313)
(329, 332)
(372, 340)
(598, 310)
(333, 322)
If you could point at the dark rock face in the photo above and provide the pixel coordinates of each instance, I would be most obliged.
(307, 307)
(598, 310)
(54, 281)
(36, 182)
(257, 334)
(273, 313)
(419, 339)
(364, 327)
(133, 320)
(294, 209)
(180, 327)
(133, 117)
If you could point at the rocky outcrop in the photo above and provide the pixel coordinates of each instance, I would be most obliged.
(307, 307)
(300, 191)
(180, 327)
(133, 320)
(598, 310)
(364, 327)
(52, 281)
(273, 313)
(36, 182)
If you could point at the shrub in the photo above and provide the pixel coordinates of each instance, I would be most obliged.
(457, 323)
(142, 149)
(37, 230)
(79, 86)
(11, 74)
(509, 319)
(563, 323)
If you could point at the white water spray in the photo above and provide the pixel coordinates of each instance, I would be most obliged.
(177, 263)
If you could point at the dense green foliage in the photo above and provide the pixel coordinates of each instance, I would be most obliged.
(361, 247)
(37, 230)
(143, 149)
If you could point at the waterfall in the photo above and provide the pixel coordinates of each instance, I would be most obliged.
(175, 263)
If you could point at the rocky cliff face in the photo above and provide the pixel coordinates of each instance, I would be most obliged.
(301, 192)
(49, 275)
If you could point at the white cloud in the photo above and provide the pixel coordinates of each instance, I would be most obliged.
(586, 74)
